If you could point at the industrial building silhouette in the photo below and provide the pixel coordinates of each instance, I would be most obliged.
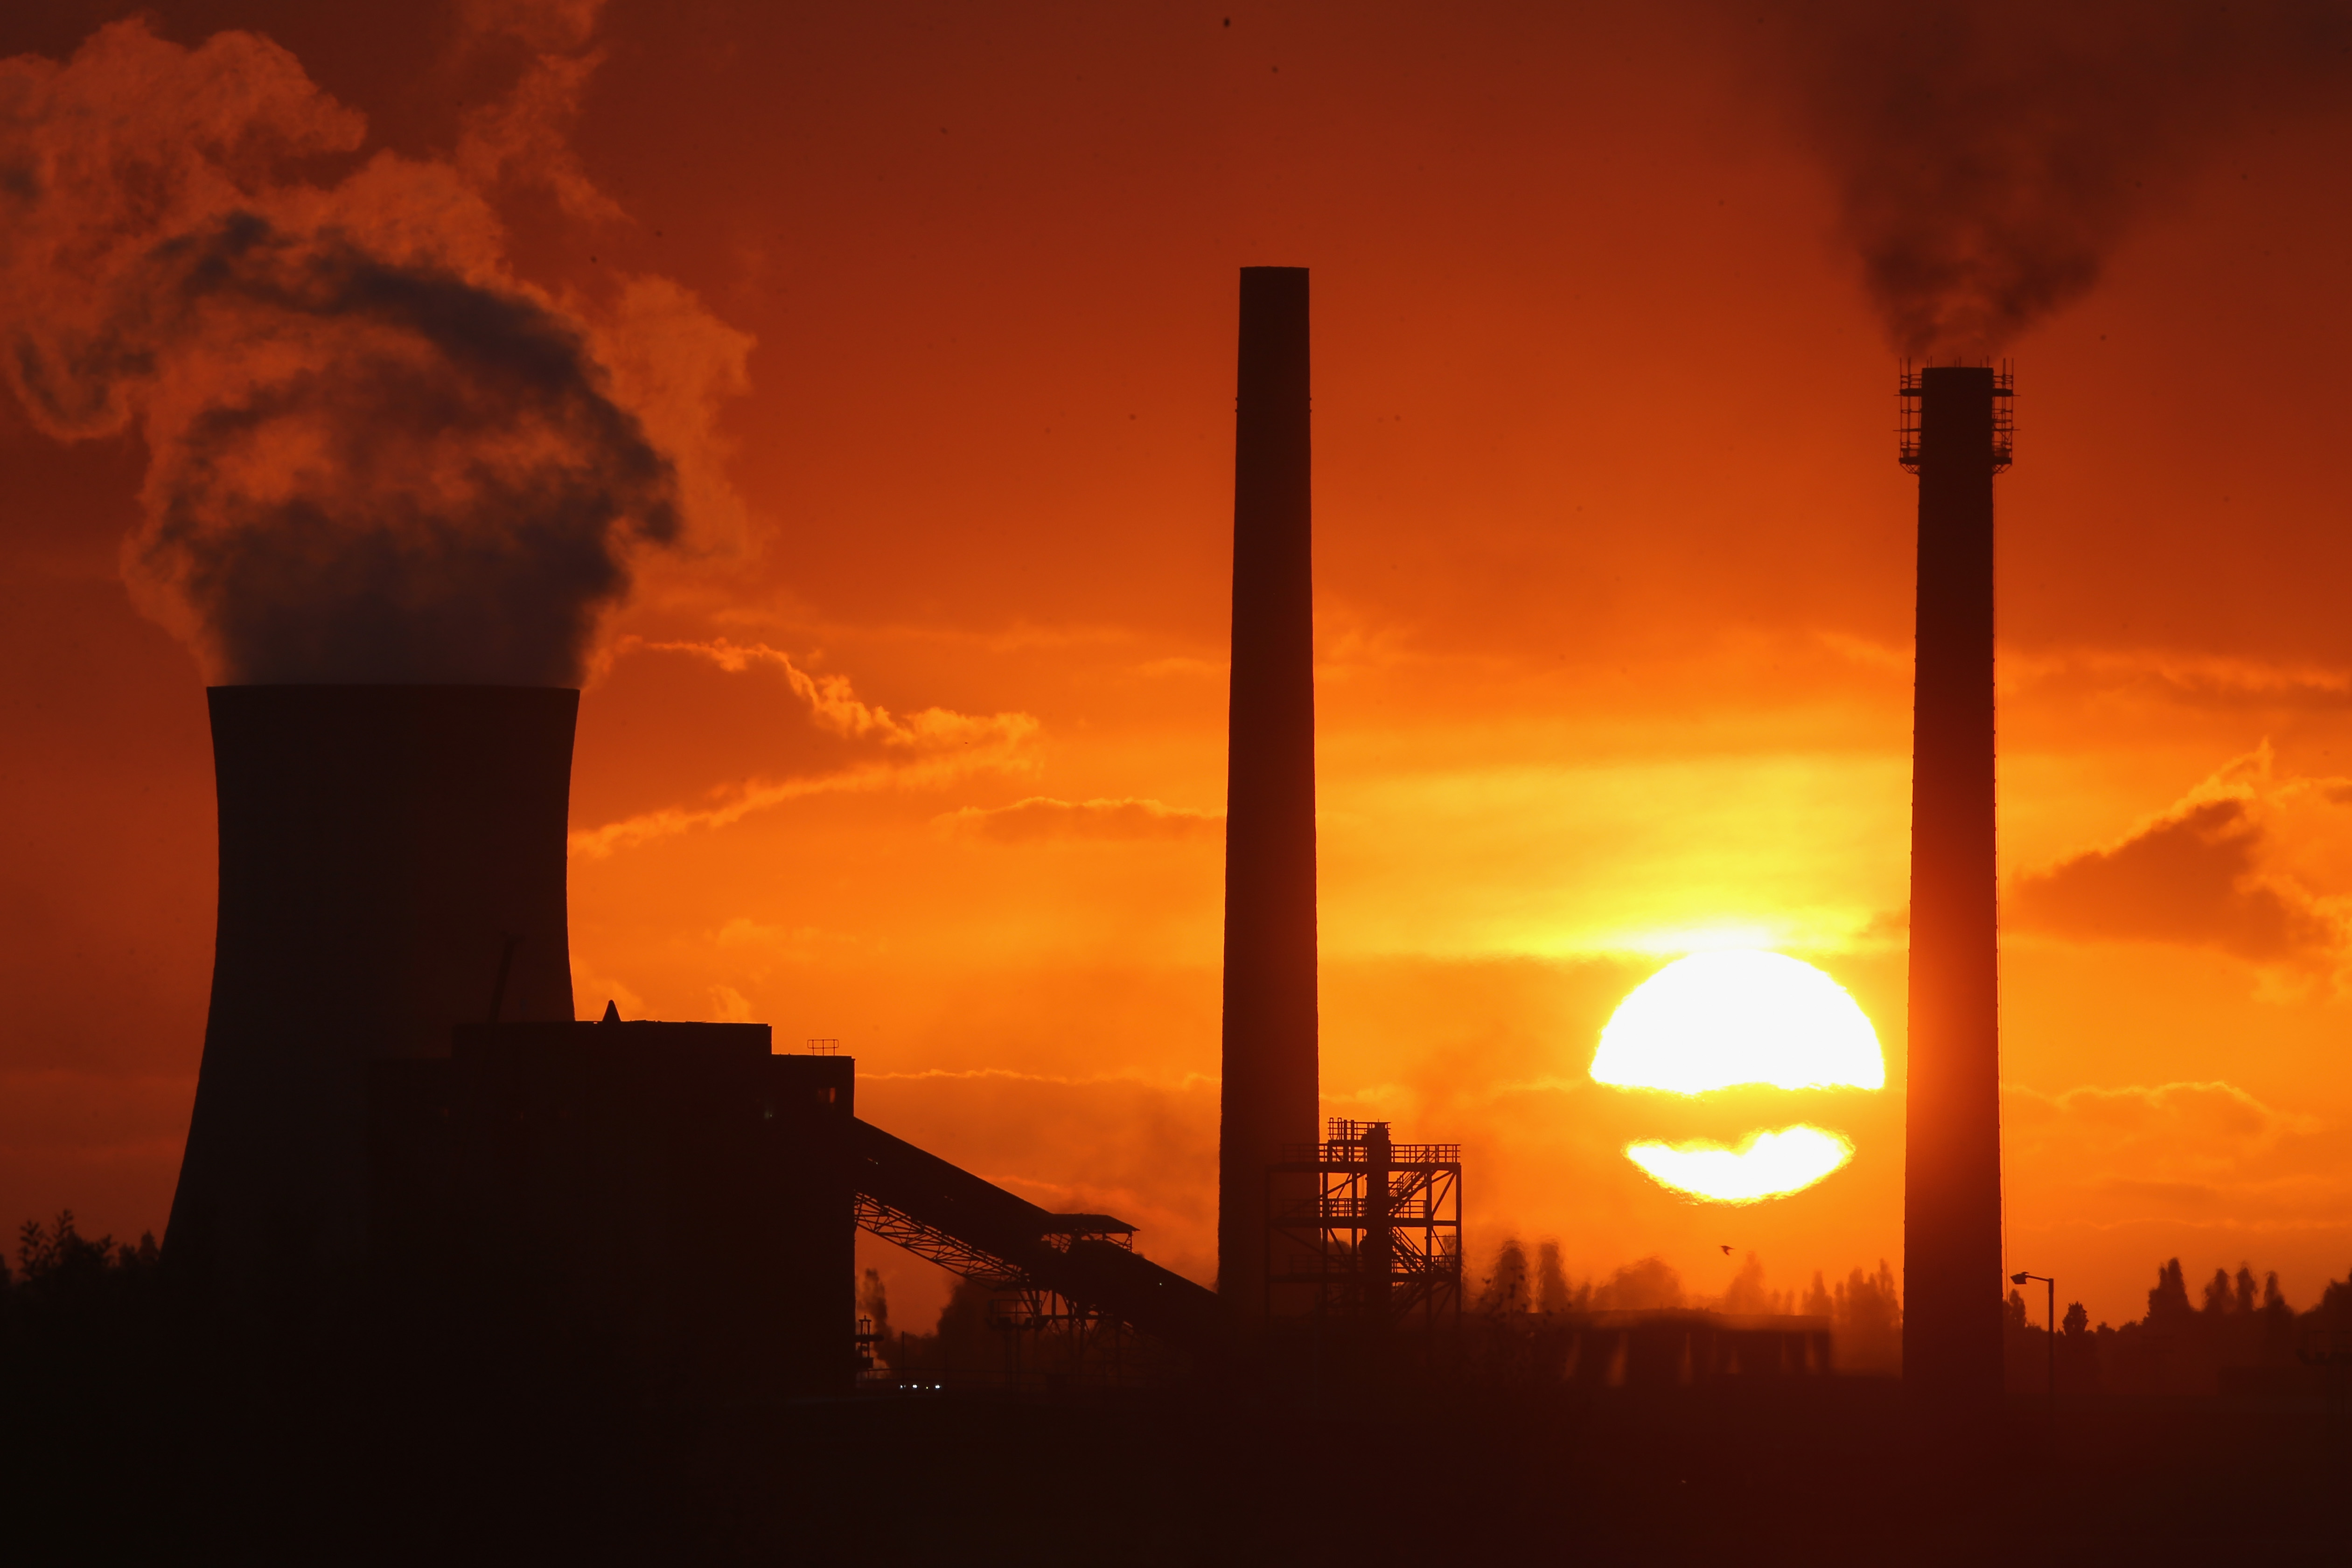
(395, 1090)
(394, 1094)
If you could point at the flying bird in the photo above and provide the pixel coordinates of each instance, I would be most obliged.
(1726, 1251)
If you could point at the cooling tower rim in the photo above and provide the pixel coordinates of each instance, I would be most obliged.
(385, 686)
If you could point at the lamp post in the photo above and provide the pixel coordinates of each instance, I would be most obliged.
(2050, 1315)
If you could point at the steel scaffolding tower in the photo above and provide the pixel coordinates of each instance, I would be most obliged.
(1378, 1241)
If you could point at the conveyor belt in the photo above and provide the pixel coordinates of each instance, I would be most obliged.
(980, 1230)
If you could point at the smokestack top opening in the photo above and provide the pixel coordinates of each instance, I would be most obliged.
(1956, 414)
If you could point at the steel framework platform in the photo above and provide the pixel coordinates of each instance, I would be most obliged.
(1365, 1231)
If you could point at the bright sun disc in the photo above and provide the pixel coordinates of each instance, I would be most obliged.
(1738, 1016)
(1767, 1164)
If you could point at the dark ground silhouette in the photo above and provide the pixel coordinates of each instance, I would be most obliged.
(131, 1438)
(2241, 1337)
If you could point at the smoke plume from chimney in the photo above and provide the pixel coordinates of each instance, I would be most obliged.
(374, 454)
(1989, 156)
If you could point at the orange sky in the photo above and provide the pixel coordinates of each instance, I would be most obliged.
(1613, 578)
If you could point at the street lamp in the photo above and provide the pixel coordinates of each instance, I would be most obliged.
(2052, 1313)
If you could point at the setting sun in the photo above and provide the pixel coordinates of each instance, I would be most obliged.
(1765, 1165)
(1731, 1018)
(1715, 1019)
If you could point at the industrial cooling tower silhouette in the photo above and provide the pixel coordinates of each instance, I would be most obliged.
(392, 864)
(1955, 437)
(1268, 1098)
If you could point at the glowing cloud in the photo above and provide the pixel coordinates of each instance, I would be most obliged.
(1715, 1019)
(1766, 1164)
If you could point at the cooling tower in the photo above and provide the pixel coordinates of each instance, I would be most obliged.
(1268, 1098)
(392, 864)
(1955, 439)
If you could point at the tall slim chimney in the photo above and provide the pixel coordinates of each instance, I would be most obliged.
(1270, 1031)
(1955, 438)
(392, 864)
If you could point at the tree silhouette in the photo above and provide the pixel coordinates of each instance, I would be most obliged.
(1867, 1321)
(2078, 1352)
(1748, 1295)
(63, 1254)
(2167, 1299)
(1506, 1289)
(1553, 1297)
(1644, 1285)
